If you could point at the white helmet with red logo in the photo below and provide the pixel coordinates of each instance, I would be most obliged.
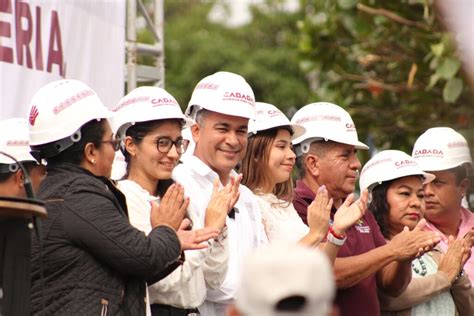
(146, 104)
(441, 148)
(268, 117)
(57, 112)
(389, 165)
(14, 142)
(223, 92)
(325, 121)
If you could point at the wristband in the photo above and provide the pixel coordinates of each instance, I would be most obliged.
(334, 238)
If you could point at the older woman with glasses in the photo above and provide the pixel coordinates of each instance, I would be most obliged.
(149, 121)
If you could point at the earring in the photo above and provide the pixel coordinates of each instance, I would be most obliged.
(93, 161)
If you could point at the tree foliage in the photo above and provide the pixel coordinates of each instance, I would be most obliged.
(390, 63)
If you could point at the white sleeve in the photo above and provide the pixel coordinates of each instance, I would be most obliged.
(216, 264)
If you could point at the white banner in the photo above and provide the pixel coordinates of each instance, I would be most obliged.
(46, 40)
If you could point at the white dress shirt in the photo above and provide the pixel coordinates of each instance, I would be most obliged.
(185, 287)
(245, 232)
(280, 219)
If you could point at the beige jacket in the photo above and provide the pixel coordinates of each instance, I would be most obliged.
(423, 289)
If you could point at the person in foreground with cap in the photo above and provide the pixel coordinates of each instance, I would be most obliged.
(328, 156)
(148, 121)
(445, 153)
(90, 261)
(14, 233)
(270, 152)
(397, 202)
(221, 105)
(285, 279)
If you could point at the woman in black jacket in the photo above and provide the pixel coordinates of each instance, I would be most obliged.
(90, 260)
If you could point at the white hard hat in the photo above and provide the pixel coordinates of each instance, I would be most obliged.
(389, 165)
(223, 92)
(441, 148)
(326, 121)
(280, 271)
(146, 104)
(268, 117)
(14, 141)
(60, 108)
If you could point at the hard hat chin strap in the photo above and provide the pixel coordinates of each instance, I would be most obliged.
(55, 148)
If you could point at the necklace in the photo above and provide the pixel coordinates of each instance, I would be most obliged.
(423, 267)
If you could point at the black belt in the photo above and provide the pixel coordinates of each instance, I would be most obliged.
(168, 310)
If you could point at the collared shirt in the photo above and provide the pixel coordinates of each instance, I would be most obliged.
(245, 232)
(280, 219)
(185, 287)
(361, 298)
(467, 222)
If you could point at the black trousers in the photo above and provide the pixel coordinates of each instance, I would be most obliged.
(167, 310)
(15, 281)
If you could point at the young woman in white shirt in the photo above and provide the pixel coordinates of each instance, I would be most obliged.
(267, 168)
(149, 121)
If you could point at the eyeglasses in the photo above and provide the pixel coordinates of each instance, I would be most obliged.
(164, 145)
(114, 142)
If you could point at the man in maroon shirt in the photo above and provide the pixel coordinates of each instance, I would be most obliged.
(328, 156)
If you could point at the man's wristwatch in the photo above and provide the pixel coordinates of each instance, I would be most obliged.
(334, 238)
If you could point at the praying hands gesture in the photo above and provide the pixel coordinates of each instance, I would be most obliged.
(172, 208)
(222, 201)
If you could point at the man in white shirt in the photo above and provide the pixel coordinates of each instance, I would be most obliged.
(221, 105)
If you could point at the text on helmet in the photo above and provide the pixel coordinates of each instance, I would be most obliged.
(428, 153)
(207, 85)
(350, 127)
(163, 101)
(71, 100)
(17, 142)
(237, 96)
(130, 101)
(375, 163)
(458, 144)
(404, 163)
(319, 117)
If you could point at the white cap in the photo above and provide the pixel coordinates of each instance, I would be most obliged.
(278, 271)
(441, 148)
(326, 121)
(14, 140)
(223, 92)
(146, 104)
(268, 117)
(62, 107)
(389, 165)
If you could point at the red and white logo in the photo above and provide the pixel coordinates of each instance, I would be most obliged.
(33, 115)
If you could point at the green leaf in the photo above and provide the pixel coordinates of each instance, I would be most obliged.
(346, 4)
(452, 90)
(433, 80)
(448, 68)
(437, 49)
